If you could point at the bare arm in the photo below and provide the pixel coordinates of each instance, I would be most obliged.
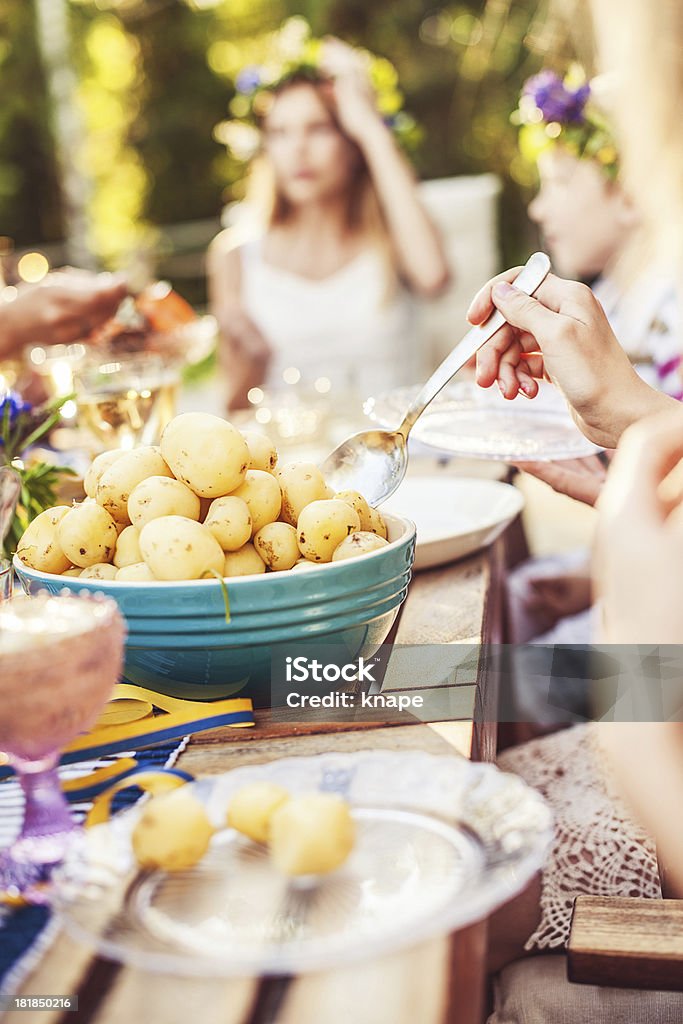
(647, 758)
(415, 239)
(66, 306)
(244, 353)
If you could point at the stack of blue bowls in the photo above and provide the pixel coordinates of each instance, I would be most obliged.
(180, 643)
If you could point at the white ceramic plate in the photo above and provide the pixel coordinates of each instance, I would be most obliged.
(469, 421)
(441, 842)
(454, 516)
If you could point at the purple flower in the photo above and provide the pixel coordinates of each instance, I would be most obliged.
(248, 80)
(555, 101)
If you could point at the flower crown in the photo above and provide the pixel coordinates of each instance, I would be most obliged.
(554, 110)
(293, 54)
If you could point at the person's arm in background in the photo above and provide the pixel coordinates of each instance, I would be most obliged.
(415, 240)
(637, 572)
(580, 479)
(66, 306)
(243, 352)
(562, 334)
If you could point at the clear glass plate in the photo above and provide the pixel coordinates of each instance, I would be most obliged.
(479, 423)
(440, 843)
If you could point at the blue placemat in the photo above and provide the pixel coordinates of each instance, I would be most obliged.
(25, 932)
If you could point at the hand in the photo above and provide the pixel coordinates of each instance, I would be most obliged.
(562, 334)
(562, 594)
(581, 479)
(352, 92)
(66, 306)
(639, 540)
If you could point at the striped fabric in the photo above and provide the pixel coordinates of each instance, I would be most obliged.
(27, 931)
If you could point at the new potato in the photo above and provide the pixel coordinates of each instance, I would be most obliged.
(205, 452)
(357, 501)
(127, 548)
(252, 808)
(97, 468)
(161, 496)
(301, 483)
(229, 520)
(361, 543)
(311, 834)
(39, 546)
(376, 523)
(245, 562)
(322, 527)
(138, 572)
(262, 452)
(100, 571)
(173, 832)
(176, 548)
(120, 479)
(276, 544)
(261, 492)
(87, 535)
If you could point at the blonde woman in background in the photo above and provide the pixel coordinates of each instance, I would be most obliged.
(345, 240)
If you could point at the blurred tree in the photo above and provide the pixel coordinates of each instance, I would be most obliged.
(181, 101)
(30, 206)
(154, 80)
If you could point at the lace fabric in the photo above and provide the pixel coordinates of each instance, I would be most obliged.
(599, 849)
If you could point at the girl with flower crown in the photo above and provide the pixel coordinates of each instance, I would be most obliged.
(591, 228)
(343, 240)
(589, 222)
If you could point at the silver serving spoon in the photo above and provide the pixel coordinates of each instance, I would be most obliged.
(374, 462)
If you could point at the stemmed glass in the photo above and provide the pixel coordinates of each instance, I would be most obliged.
(60, 657)
(126, 400)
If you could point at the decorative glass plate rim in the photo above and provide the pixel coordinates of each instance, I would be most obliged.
(379, 409)
(505, 878)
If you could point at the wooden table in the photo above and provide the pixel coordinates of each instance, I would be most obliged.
(438, 982)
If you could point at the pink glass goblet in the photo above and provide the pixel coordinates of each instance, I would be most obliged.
(60, 657)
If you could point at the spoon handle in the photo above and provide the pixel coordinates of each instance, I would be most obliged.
(528, 280)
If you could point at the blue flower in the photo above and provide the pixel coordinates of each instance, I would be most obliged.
(249, 79)
(555, 101)
(17, 406)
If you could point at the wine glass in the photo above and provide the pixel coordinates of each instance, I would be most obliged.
(126, 400)
(6, 579)
(60, 657)
(56, 366)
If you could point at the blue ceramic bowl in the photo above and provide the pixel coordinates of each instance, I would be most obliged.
(179, 642)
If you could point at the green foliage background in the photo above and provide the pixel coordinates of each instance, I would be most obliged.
(152, 86)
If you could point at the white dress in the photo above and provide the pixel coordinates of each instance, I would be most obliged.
(350, 327)
(646, 319)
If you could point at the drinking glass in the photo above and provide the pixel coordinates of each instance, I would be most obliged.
(126, 400)
(56, 365)
(6, 579)
(60, 657)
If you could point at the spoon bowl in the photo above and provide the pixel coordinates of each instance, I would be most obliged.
(373, 462)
